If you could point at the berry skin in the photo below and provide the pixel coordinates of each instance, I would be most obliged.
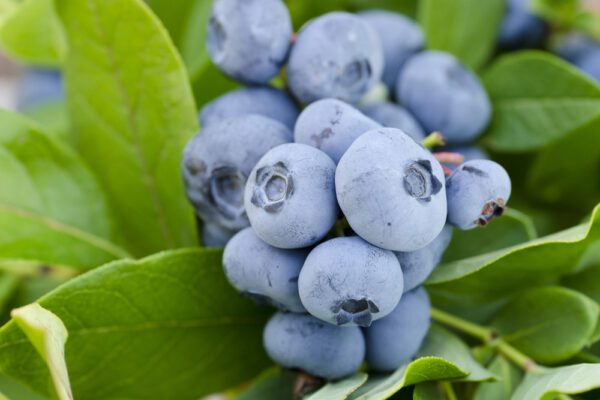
(392, 115)
(347, 281)
(217, 161)
(249, 40)
(520, 27)
(400, 38)
(331, 126)
(582, 51)
(477, 193)
(39, 86)
(444, 96)
(290, 196)
(391, 190)
(320, 349)
(394, 340)
(336, 55)
(266, 101)
(265, 273)
(214, 235)
(417, 265)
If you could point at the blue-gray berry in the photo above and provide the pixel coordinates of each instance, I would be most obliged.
(521, 28)
(582, 51)
(290, 196)
(392, 115)
(38, 86)
(306, 343)
(214, 235)
(331, 126)
(217, 161)
(249, 40)
(267, 101)
(400, 38)
(267, 274)
(477, 193)
(336, 55)
(444, 96)
(347, 281)
(394, 340)
(392, 190)
(417, 265)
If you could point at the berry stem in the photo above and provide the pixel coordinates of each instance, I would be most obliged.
(488, 336)
(433, 139)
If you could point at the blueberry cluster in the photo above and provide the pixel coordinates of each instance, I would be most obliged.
(337, 214)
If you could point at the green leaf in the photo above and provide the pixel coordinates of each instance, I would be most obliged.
(15, 391)
(509, 378)
(492, 276)
(51, 208)
(572, 379)
(537, 98)
(54, 119)
(548, 324)
(9, 283)
(32, 33)
(48, 335)
(428, 391)
(339, 390)
(566, 172)
(133, 111)
(274, 384)
(557, 11)
(168, 326)
(442, 356)
(465, 28)
(586, 282)
(513, 228)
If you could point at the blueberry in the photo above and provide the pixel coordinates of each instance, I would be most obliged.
(418, 264)
(267, 274)
(391, 190)
(582, 51)
(214, 235)
(477, 193)
(336, 55)
(394, 116)
(40, 86)
(347, 281)
(304, 342)
(331, 126)
(444, 96)
(400, 38)
(249, 40)
(290, 196)
(394, 340)
(217, 161)
(267, 101)
(520, 27)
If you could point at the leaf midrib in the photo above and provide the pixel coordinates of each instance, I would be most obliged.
(67, 229)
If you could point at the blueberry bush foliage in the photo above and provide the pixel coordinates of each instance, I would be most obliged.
(105, 293)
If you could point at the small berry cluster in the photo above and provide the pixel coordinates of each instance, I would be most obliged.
(337, 214)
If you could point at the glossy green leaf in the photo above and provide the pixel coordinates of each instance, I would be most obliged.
(429, 391)
(168, 326)
(15, 391)
(48, 335)
(509, 377)
(54, 120)
(51, 208)
(492, 276)
(32, 33)
(9, 283)
(529, 112)
(339, 390)
(572, 379)
(586, 282)
(132, 111)
(548, 324)
(465, 28)
(513, 228)
(274, 384)
(442, 356)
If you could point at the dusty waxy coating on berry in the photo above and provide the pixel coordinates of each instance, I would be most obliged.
(218, 160)
(477, 193)
(274, 185)
(346, 281)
